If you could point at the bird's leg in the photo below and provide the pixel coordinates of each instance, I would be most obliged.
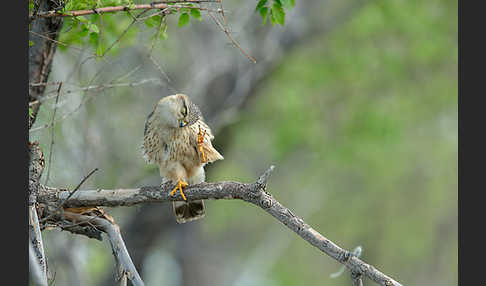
(180, 184)
(200, 141)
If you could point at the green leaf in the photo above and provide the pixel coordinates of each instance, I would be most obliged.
(31, 112)
(150, 22)
(153, 21)
(93, 38)
(31, 43)
(287, 3)
(278, 13)
(196, 14)
(99, 50)
(183, 19)
(264, 14)
(260, 4)
(81, 19)
(163, 33)
(94, 28)
(272, 18)
(84, 31)
(185, 10)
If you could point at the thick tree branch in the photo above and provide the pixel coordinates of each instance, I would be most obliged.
(254, 193)
(37, 249)
(120, 251)
(36, 167)
(35, 272)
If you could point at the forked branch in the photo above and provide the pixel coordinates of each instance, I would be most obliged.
(120, 252)
(254, 193)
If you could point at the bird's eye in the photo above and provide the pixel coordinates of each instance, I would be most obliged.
(182, 123)
(184, 111)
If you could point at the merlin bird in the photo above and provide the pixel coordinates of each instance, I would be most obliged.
(177, 139)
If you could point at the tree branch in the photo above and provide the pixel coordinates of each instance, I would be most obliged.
(37, 247)
(54, 13)
(254, 193)
(35, 271)
(120, 251)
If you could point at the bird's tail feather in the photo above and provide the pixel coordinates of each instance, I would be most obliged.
(188, 211)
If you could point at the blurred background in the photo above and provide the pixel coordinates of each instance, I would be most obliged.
(354, 102)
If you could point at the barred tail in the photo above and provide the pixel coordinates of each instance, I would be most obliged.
(188, 211)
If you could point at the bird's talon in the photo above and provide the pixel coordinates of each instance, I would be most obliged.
(180, 184)
(200, 141)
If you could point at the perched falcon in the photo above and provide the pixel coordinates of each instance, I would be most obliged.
(178, 140)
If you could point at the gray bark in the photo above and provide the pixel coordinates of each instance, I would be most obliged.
(118, 247)
(37, 258)
(254, 193)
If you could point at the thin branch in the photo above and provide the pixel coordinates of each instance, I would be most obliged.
(235, 43)
(110, 9)
(118, 247)
(52, 134)
(123, 33)
(57, 42)
(95, 87)
(98, 88)
(254, 193)
(61, 205)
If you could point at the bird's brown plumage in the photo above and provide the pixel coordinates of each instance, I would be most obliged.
(171, 142)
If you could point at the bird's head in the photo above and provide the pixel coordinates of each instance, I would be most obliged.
(177, 111)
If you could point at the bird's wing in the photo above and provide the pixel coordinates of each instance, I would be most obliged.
(147, 123)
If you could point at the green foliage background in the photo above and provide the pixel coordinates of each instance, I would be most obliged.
(368, 128)
(362, 127)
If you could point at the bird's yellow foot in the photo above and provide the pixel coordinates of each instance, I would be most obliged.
(180, 184)
(200, 141)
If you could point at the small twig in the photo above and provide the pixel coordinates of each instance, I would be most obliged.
(45, 83)
(101, 87)
(124, 32)
(159, 68)
(52, 134)
(222, 14)
(69, 196)
(57, 42)
(94, 87)
(130, 73)
(156, 38)
(235, 43)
